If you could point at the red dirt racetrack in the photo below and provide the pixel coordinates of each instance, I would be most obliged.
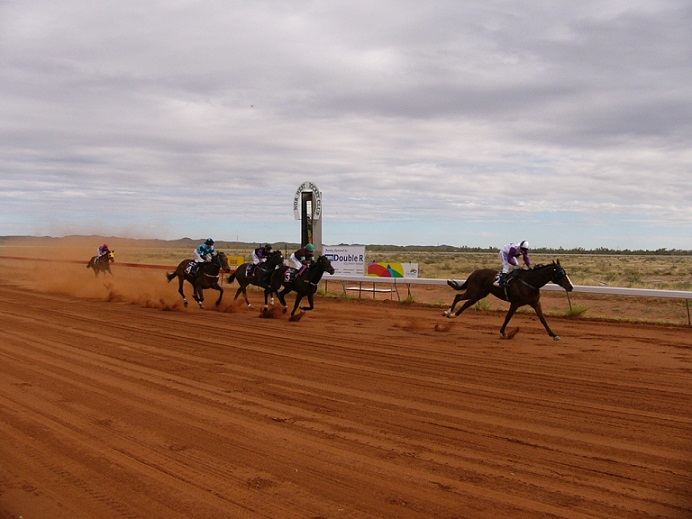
(115, 402)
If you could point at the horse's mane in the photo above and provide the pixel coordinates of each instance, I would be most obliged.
(543, 266)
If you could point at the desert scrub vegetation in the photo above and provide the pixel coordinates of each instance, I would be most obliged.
(576, 310)
(627, 271)
(662, 269)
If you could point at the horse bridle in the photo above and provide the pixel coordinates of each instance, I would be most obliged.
(217, 263)
(558, 275)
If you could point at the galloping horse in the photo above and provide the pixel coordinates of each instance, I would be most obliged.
(260, 274)
(304, 285)
(207, 276)
(102, 263)
(524, 289)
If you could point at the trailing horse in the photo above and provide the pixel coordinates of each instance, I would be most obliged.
(102, 263)
(303, 285)
(524, 289)
(206, 276)
(259, 275)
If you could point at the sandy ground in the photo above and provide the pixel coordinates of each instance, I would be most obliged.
(115, 401)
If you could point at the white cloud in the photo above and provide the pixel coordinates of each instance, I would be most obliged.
(209, 114)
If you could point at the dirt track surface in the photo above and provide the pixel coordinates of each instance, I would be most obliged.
(117, 402)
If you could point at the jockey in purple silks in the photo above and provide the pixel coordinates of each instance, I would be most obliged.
(260, 254)
(508, 255)
(103, 249)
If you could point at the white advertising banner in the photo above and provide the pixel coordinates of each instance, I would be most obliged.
(346, 260)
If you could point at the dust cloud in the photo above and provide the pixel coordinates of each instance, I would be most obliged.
(146, 287)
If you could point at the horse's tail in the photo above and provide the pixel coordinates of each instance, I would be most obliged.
(170, 276)
(231, 278)
(455, 284)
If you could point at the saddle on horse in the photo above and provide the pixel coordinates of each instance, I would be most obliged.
(192, 268)
(293, 274)
(259, 272)
(504, 279)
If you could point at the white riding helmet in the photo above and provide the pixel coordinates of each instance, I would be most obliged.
(524, 245)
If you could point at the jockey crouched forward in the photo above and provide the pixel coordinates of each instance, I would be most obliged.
(203, 253)
(102, 250)
(259, 258)
(303, 258)
(508, 255)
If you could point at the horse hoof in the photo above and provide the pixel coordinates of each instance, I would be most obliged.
(185, 304)
(251, 307)
(556, 338)
(511, 333)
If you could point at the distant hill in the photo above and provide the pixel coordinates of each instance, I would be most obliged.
(222, 244)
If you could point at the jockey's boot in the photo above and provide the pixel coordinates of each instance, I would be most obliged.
(300, 272)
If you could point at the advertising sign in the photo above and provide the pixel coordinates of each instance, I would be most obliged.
(393, 270)
(346, 260)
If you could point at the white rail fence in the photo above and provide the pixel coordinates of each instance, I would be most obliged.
(373, 285)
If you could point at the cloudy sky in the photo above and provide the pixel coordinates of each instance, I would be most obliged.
(442, 122)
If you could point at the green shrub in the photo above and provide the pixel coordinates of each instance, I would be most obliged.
(483, 304)
(576, 310)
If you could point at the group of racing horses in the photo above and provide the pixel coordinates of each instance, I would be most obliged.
(277, 278)
(272, 275)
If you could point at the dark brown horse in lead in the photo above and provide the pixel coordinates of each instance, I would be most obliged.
(283, 280)
(523, 289)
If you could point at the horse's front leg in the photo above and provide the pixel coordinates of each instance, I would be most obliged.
(220, 289)
(311, 301)
(299, 297)
(282, 298)
(198, 294)
(512, 308)
(269, 295)
(539, 312)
